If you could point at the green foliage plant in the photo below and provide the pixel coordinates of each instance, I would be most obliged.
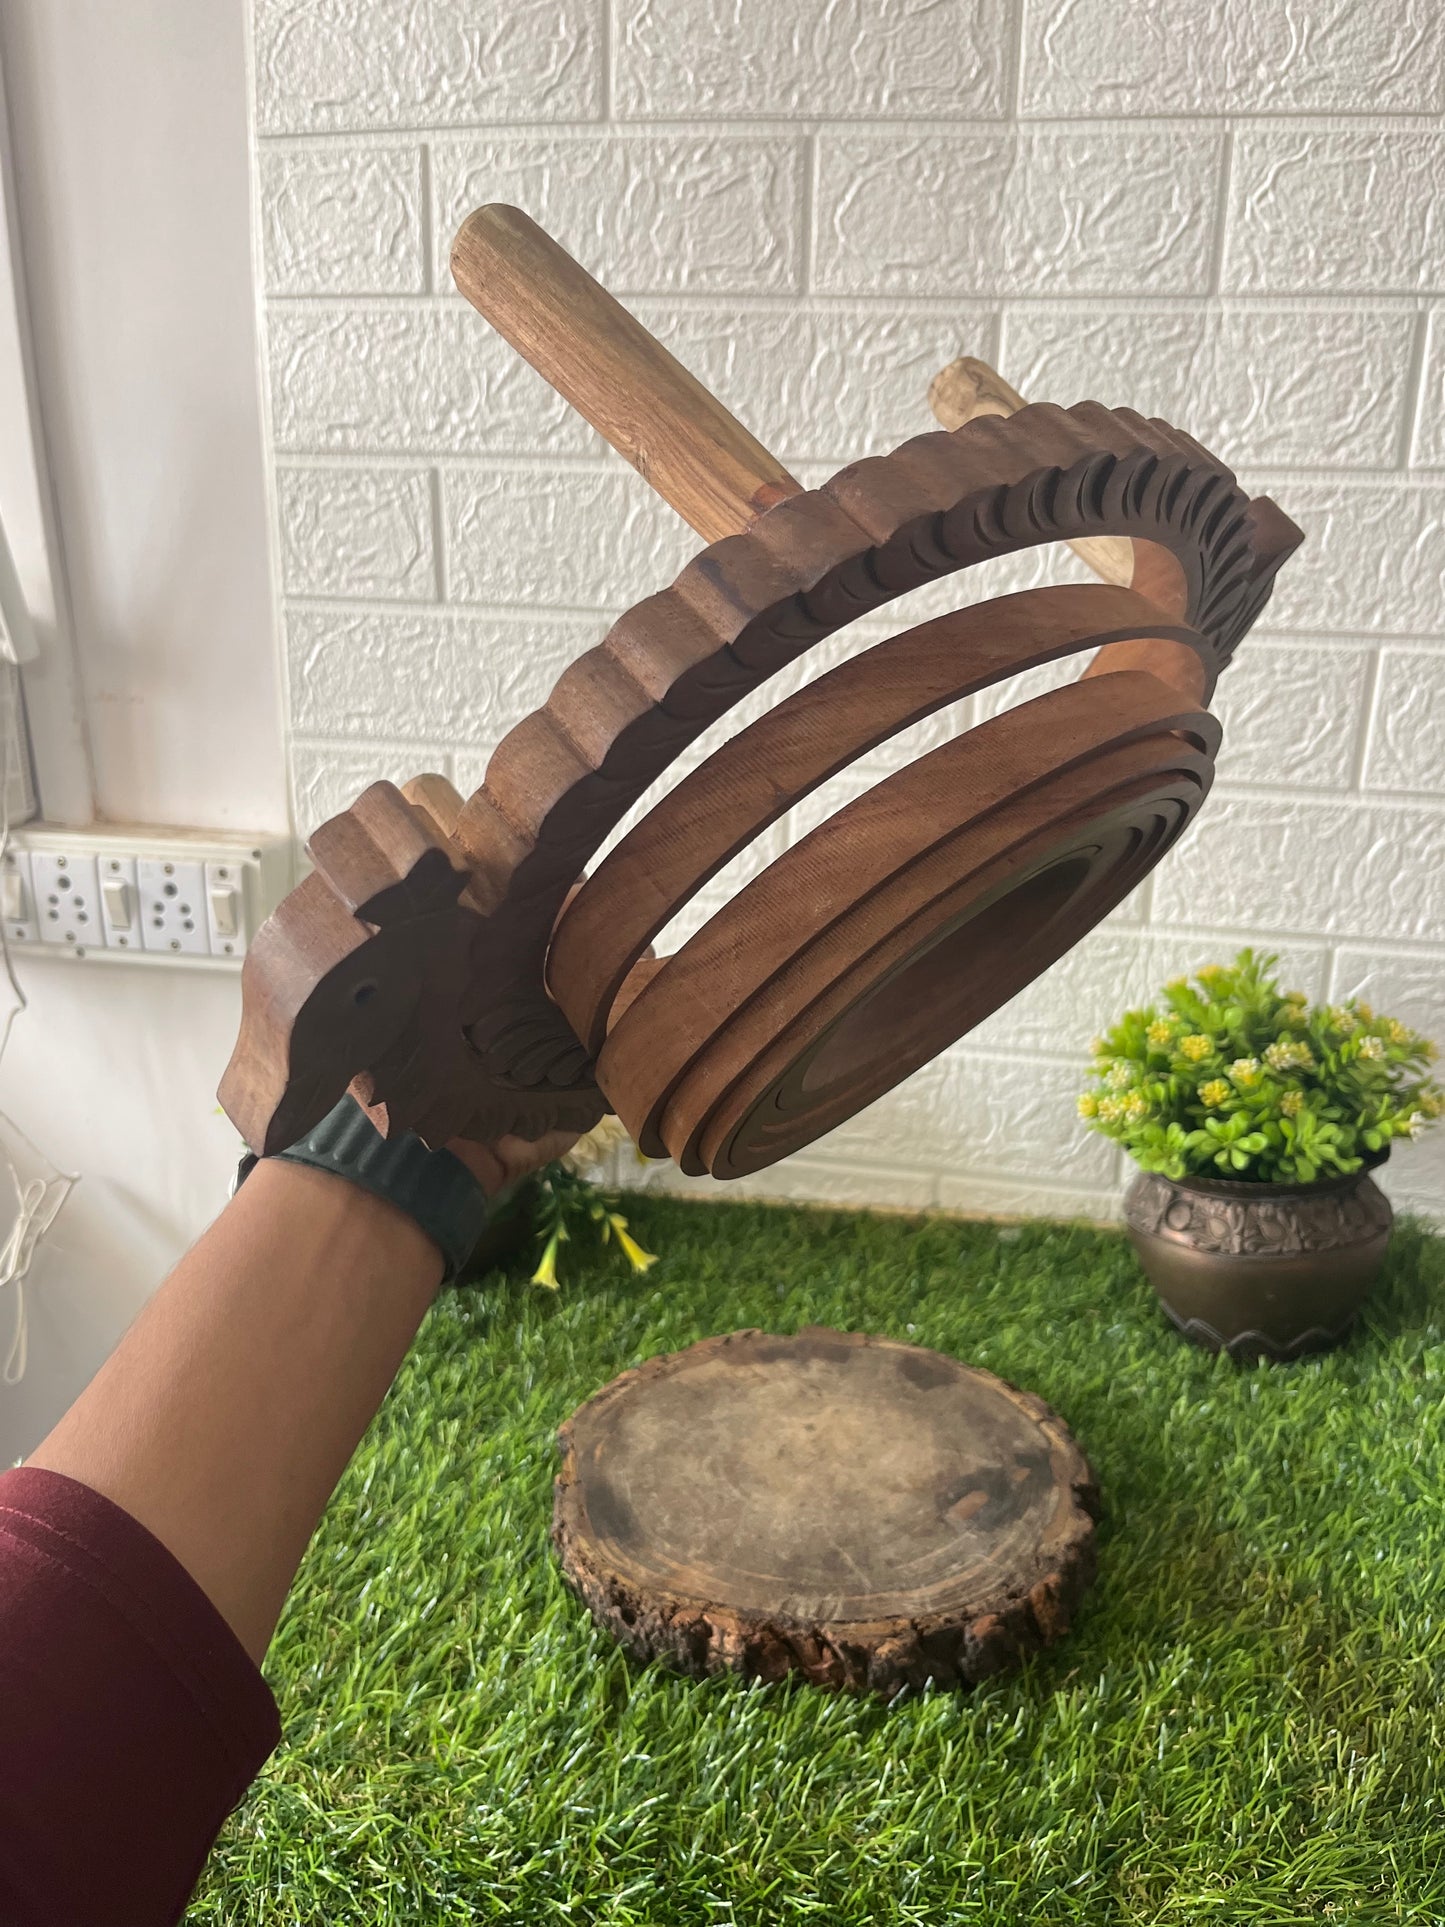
(1228, 1076)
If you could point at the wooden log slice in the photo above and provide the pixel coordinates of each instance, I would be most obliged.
(864, 1512)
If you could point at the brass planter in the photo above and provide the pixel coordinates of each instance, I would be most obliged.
(1259, 1270)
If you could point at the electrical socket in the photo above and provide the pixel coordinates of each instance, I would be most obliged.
(136, 893)
(173, 905)
(67, 898)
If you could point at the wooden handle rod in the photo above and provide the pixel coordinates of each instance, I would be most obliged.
(680, 438)
(967, 388)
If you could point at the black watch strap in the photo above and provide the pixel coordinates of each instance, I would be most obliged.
(433, 1187)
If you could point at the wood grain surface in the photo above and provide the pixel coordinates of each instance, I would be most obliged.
(866, 1513)
(434, 957)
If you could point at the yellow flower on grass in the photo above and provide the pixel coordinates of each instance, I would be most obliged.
(639, 1259)
(1111, 1109)
(1160, 1034)
(1136, 1106)
(1195, 1046)
(1397, 1032)
(1245, 1071)
(1373, 1048)
(1292, 1103)
(1215, 1092)
(1088, 1105)
(546, 1272)
(1121, 1075)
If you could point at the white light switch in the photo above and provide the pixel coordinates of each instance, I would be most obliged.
(223, 910)
(13, 904)
(116, 894)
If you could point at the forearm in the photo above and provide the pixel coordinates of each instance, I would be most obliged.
(228, 1412)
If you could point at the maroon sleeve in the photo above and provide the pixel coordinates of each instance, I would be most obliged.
(131, 1718)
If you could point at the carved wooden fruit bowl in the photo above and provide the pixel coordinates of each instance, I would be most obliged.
(440, 958)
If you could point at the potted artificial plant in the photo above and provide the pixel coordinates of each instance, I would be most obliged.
(1256, 1119)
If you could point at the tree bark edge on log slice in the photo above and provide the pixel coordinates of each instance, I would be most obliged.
(987, 1629)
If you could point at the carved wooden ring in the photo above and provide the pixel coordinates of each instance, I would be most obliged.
(875, 941)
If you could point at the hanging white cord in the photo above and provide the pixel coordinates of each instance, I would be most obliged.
(38, 1199)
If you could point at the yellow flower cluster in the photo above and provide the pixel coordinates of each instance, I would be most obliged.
(1195, 1046)
(1215, 1092)
(1245, 1072)
(1088, 1105)
(1121, 1075)
(1292, 1103)
(1160, 1033)
(1373, 1048)
(1290, 1054)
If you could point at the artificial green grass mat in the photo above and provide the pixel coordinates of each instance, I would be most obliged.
(1245, 1725)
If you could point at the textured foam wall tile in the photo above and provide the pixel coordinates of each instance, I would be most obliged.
(942, 59)
(463, 679)
(424, 63)
(1374, 560)
(1095, 57)
(1104, 210)
(1316, 386)
(1409, 985)
(326, 778)
(1265, 863)
(1349, 211)
(705, 214)
(357, 532)
(1429, 447)
(811, 205)
(565, 538)
(1407, 735)
(340, 220)
(410, 380)
(1292, 713)
(829, 386)
(968, 1112)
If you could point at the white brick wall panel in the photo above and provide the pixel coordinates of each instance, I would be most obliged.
(1109, 210)
(1373, 561)
(357, 532)
(412, 380)
(562, 538)
(1265, 863)
(424, 63)
(1407, 735)
(1317, 386)
(967, 1114)
(1350, 211)
(829, 386)
(1429, 446)
(430, 678)
(326, 779)
(342, 220)
(1292, 714)
(997, 1198)
(1091, 57)
(918, 234)
(1407, 985)
(943, 59)
(667, 213)
(1414, 1178)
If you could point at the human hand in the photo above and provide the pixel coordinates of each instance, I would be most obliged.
(507, 1160)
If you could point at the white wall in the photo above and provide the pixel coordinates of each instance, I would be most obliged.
(130, 127)
(1224, 214)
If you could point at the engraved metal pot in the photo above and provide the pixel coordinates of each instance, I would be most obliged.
(1259, 1270)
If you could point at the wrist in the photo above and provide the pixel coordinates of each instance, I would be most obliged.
(442, 1197)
